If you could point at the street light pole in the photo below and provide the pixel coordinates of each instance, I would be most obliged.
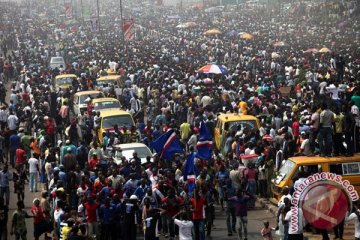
(98, 14)
(121, 21)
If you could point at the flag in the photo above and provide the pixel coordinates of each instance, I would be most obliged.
(205, 143)
(189, 173)
(167, 145)
(128, 29)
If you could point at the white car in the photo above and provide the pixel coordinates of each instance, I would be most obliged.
(127, 149)
(57, 62)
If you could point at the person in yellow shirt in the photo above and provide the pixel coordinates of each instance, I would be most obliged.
(339, 121)
(243, 107)
(185, 131)
(67, 228)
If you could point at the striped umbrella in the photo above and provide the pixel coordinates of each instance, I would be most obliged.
(215, 69)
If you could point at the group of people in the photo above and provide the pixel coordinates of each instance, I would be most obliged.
(307, 101)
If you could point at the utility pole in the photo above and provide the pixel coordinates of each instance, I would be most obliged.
(82, 10)
(98, 14)
(121, 21)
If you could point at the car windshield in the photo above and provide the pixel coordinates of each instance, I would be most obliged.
(285, 171)
(83, 97)
(105, 82)
(106, 105)
(232, 126)
(65, 80)
(120, 120)
(57, 60)
(142, 152)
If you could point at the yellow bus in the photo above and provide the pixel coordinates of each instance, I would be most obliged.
(63, 81)
(229, 122)
(101, 104)
(112, 117)
(347, 167)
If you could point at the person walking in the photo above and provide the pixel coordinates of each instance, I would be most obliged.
(18, 224)
(4, 212)
(5, 177)
(34, 172)
(198, 206)
(240, 202)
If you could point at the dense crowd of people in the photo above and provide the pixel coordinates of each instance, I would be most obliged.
(298, 72)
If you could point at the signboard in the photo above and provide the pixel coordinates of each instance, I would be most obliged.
(68, 10)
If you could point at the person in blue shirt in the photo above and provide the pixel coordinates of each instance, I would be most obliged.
(106, 190)
(62, 174)
(221, 178)
(141, 190)
(229, 192)
(15, 141)
(107, 213)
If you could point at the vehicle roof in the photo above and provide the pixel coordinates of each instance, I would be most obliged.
(113, 112)
(229, 117)
(130, 145)
(108, 77)
(87, 92)
(104, 100)
(309, 160)
(65, 76)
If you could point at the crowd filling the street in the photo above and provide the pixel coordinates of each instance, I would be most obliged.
(135, 119)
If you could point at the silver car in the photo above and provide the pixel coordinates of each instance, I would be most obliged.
(57, 62)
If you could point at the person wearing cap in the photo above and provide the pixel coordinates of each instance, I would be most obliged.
(129, 209)
(64, 149)
(40, 225)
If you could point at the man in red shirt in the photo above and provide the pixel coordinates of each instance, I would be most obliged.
(198, 206)
(20, 157)
(171, 204)
(93, 161)
(39, 219)
(91, 209)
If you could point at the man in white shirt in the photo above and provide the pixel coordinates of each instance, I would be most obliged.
(185, 227)
(33, 171)
(300, 221)
(356, 113)
(3, 117)
(12, 121)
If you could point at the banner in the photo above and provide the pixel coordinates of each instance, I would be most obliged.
(68, 10)
(128, 29)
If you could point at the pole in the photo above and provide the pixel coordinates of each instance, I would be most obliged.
(121, 21)
(82, 10)
(98, 14)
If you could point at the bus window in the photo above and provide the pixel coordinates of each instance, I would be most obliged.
(336, 168)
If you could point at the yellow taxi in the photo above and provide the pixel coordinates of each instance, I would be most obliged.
(229, 122)
(111, 71)
(63, 81)
(106, 104)
(107, 81)
(347, 167)
(80, 97)
(112, 117)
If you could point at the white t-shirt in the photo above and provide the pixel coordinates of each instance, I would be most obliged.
(353, 216)
(301, 222)
(185, 228)
(33, 163)
(305, 146)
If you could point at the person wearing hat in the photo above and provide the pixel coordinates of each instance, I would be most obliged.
(40, 225)
(64, 149)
